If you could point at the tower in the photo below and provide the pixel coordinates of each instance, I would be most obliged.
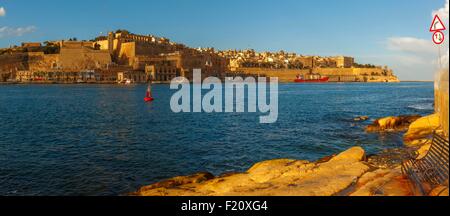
(111, 43)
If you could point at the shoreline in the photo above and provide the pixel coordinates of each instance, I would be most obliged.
(419, 81)
(115, 83)
(348, 173)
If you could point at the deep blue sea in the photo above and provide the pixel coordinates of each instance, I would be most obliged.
(104, 140)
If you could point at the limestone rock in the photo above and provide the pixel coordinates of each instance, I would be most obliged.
(390, 158)
(439, 191)
(176, 181)
(352, 154)
(227, 184)
(361, 118)
(392, 123)
(280, 177)
(421, 129)
(383, 182)
(267, 170)
(324, 179)
(423, 150)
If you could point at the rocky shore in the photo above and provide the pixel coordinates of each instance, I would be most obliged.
(350, 173)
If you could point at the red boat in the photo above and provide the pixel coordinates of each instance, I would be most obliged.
(311, 78)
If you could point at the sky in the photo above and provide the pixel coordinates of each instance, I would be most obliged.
(382, 32)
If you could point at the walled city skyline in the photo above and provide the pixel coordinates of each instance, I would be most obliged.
(381, 32)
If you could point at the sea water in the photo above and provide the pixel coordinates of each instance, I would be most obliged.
(104, 140)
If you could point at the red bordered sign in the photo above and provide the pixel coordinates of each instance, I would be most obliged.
(437, 24)
(438, 37)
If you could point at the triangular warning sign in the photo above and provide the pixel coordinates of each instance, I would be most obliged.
(437, 24)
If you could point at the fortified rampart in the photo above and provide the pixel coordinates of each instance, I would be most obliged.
(335, 74)
(124, 47)
(161, 60)
(83, 59)
(10, 63)
(67, 60)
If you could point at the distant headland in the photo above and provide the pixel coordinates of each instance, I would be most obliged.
(122, 57)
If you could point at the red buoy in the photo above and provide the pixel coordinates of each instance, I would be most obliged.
(148, 99)
(148, 95)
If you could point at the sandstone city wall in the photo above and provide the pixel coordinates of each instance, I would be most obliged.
(335, 74)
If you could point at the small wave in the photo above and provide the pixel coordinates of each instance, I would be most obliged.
(422, 100)
(422, 106)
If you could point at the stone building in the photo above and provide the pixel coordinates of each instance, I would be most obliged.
(162, 70)
(160, 56)
(343, 61)
(132, 76)
(124, 47)
(307, 61)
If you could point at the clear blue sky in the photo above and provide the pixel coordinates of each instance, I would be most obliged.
(325, 27)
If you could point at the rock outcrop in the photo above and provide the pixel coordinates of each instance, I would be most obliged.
(439, 191)
(280, 177)
(420, 130)
(361, 118)
(383, 182)
(177, 181)
(392, 123)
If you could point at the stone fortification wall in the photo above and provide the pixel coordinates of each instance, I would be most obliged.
(441, 90)
(335, 74)
(83, 58)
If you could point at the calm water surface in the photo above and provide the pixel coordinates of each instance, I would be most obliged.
(104, 140)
